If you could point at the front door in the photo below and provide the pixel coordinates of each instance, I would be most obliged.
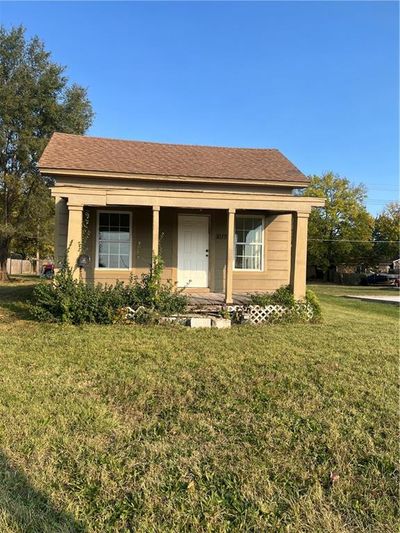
(193, 251)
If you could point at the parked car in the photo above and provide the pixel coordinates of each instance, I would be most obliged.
(383, 279)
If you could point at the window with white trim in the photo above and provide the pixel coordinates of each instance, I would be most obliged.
(249, 242)
(114, 240)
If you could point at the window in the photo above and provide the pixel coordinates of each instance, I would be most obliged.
(114, 240)
(249, 242)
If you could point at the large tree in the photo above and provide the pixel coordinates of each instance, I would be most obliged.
(387, 233)
(341, 231)
(36, 99)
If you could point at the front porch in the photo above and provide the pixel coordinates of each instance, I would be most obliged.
(236, 251)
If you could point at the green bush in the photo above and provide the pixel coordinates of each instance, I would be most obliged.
(282, 296)
(312, 300)
(76, 302)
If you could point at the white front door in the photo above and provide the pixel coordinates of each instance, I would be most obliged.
(193, 251)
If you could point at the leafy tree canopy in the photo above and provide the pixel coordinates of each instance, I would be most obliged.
(335, 228)
(387, 228)
(36, 99)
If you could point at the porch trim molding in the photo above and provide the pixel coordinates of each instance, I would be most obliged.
(195, 199)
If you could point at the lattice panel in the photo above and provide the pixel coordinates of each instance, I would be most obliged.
(305, 308)
(257, 314)
(130, 314)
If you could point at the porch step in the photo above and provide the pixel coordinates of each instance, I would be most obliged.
(199, 322)
(208, 322)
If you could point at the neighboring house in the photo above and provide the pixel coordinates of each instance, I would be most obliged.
(396, 265)
(223, 219)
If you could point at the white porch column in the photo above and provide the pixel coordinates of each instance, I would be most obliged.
(74, 240)
(229, 256)
(299, 254)
(156, 230)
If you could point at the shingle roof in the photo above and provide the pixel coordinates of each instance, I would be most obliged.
(77, 152)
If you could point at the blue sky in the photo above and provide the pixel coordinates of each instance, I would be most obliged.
(318, 80)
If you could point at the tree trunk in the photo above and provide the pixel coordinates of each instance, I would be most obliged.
(4, 253)
(38, 253)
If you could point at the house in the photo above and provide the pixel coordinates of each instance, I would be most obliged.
(225, 220)
(396, 265)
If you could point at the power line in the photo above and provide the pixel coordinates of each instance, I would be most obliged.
(349, 240)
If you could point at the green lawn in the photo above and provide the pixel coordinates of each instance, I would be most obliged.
(151, 429)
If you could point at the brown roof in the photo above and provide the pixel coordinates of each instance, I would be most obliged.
(77, 152)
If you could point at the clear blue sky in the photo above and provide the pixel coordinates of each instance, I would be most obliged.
(318, 80)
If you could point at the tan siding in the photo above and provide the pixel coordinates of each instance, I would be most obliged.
(219, 261)
(142, 236)
(141, 245)
(168, 237)
(89, 215)
(277, 238)
(115, 183)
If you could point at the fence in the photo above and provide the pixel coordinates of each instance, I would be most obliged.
(20, 266)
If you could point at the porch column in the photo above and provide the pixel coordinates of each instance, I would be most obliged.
(299, 254)
(60, 229)
(74, 240)
(229, 256)
(156, 230)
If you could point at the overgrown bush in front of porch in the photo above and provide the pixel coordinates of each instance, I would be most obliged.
(72, 301)
(281, 305)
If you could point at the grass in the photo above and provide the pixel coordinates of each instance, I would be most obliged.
(127, 428)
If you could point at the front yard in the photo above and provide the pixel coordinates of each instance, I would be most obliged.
(129, 428)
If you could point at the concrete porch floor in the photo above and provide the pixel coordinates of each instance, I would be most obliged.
(215, 299)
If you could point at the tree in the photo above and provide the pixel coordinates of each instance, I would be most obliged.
(36, 99)
(36, 238)
(387, 228)
(341, 231)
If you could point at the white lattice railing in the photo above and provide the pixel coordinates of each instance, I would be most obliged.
(257, 314)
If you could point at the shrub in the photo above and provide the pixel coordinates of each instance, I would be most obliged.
(312, 300)
(282, 296)
(76, 302)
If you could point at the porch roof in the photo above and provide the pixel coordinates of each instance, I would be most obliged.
(78, 155)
